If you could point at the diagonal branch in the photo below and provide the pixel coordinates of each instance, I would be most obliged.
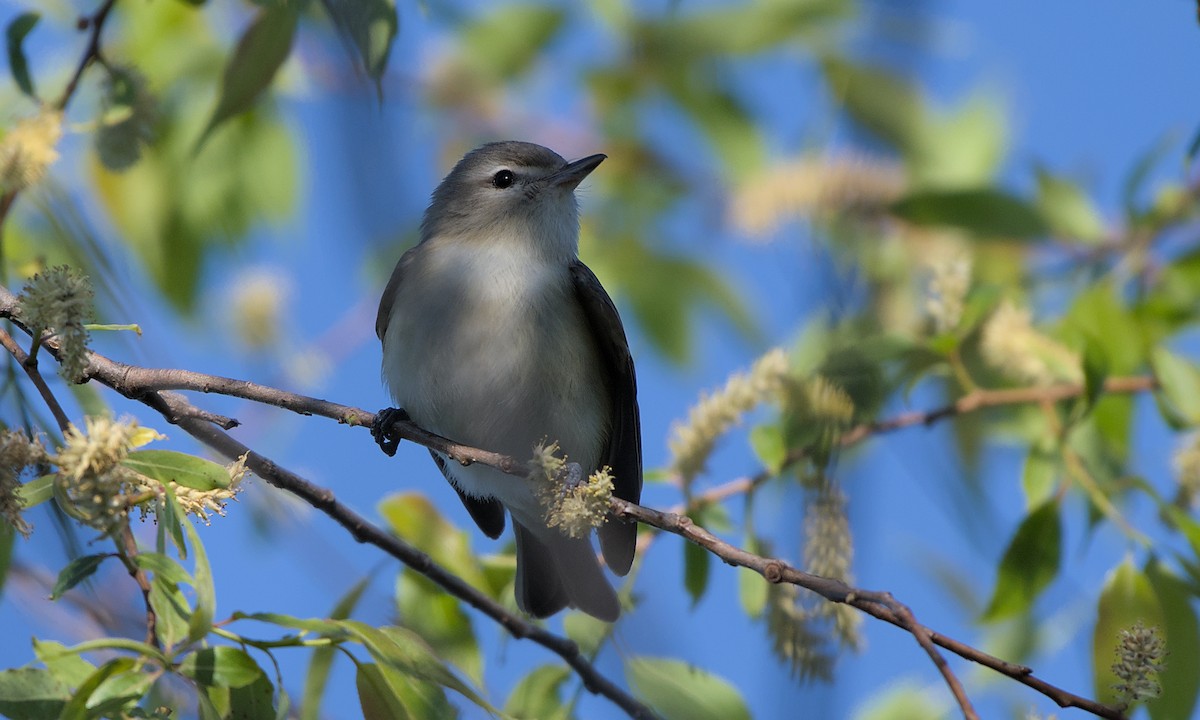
(151, 387)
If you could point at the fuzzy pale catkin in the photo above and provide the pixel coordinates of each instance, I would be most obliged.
(813, 186)
(1012, 345)
(693, 441)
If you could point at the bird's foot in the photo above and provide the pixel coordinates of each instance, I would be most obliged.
(571, 475)
(381, 429)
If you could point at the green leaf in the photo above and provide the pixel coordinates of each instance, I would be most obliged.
(75, 572)
(537, 695)
(438, 617)
(221, 666)
(506, 41)
(1095, 372)
(322, 657)
(8, 537)
(171, 519)
(255, 701)
(375, 695)
(36, 492)
(884, 103)
(1069, 212)
(1127, 598)
(586, 631)
(120, 691)
(679, 691)
(370, 26)
(404, 651)
(258, 56)
(189, 471)
(959, 148)
(769, 445)
(752, 587)
(696, 568)
(31, 694)
(164, 567)
(200, 622)
(66, 666)
(1180, 682)
(77, 708)
(1029, 564)
(1179, 392)
(414, 519)
(172, 610)
(984, 212)
(15, 34)
(1040, 475)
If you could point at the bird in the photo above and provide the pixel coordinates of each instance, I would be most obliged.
(496, 335)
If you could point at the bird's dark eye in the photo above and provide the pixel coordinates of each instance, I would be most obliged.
(503, 179)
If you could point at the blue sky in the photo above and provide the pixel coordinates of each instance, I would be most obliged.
(1087, 89)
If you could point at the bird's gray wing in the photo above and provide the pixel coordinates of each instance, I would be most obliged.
(384, 314)
(487, 513)
(623, 453)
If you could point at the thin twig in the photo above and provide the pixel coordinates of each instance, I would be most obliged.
(145, 384)
(29, 364)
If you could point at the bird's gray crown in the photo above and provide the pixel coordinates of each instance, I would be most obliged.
(467, 198)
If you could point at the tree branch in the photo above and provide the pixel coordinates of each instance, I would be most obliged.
(148, 385)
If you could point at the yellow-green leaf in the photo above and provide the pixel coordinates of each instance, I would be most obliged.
(1029, 564)
(1127, 598)
(679, 691)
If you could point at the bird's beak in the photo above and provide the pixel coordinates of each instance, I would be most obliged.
(574, 172)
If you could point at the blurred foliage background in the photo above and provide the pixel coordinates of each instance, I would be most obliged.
(794, 192)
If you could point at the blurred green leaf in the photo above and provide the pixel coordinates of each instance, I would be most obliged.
(259, 54)
(666, 291)
(696, 568)
(200, 623)
(1135, 182)
(679, 691)
(961, 148)
(1040, 475)
(1179, 388)
(120, 692)
(15, 34)
(537, 695)
(31, 694)
(8, 536)
(986, 213)
(884, 103)
(371, 27)
(1068, 210)
(221, 665)
(189, 471)
(75, 572)
(752, 587)
(1029, 564)
(507, 40)
(172, 610)
(405, 652)
(1180, 682)
(769, 446)
(412, 517)
(36, 492)
(1127, 598)
(737, 30)
(438, 617)
(586, 631)
(1095, 372)
(78, 707)
(376, 698)
(322, 657)
(903, 701)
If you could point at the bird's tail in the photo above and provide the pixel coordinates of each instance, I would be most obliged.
(554, 571)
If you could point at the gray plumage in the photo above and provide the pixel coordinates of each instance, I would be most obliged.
(496, 335)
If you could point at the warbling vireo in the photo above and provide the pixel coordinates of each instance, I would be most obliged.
(495, 335)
